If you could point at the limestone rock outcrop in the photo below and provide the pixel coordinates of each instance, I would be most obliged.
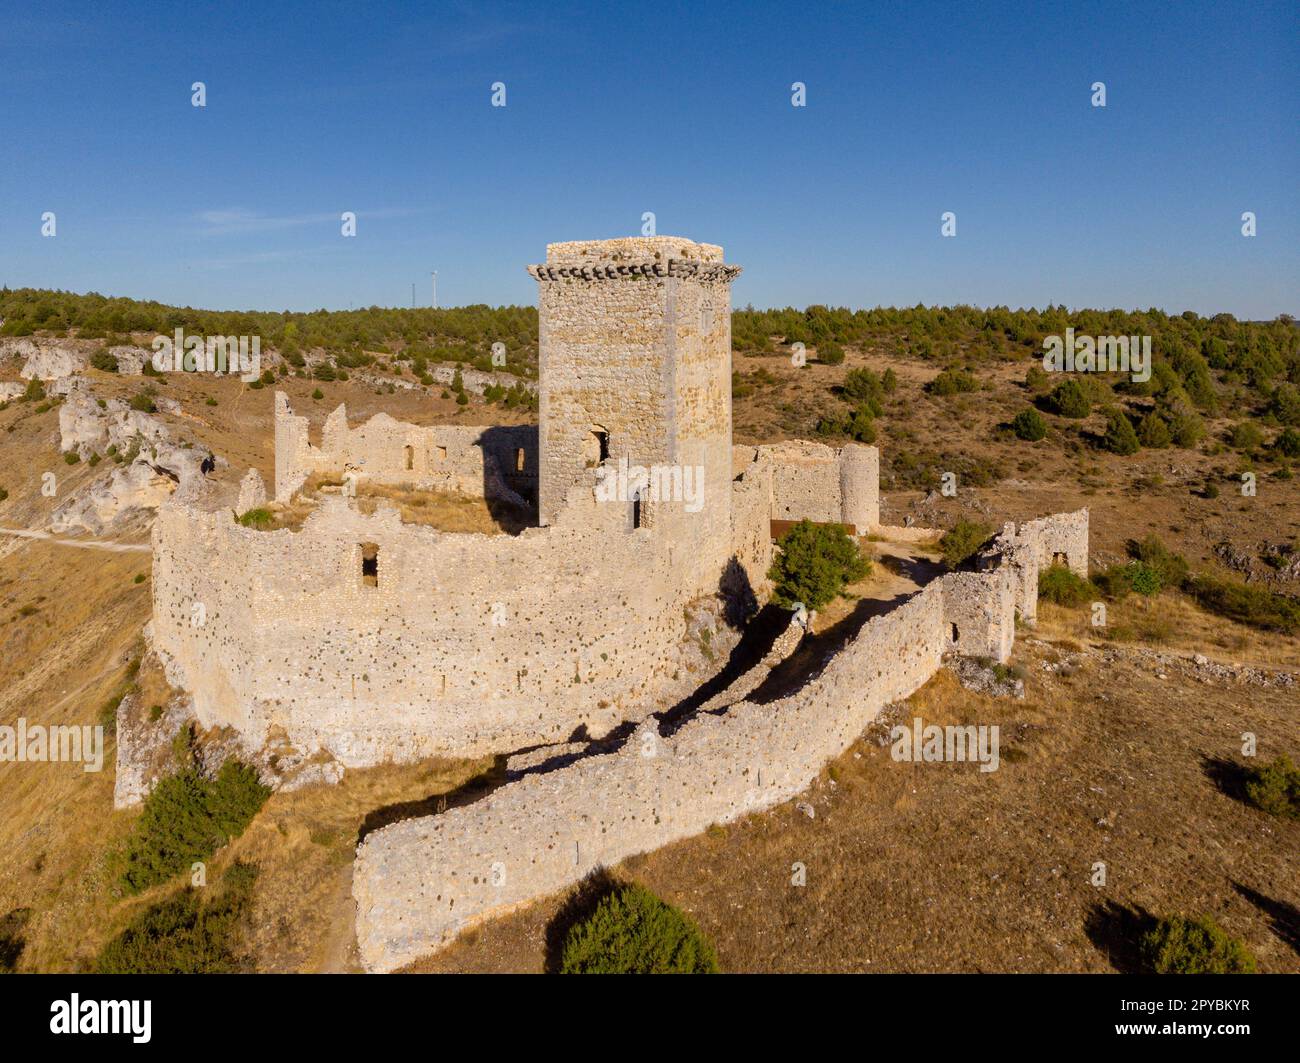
(252, 492)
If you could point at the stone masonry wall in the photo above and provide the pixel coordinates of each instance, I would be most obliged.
(467, 644)
(420, 882)
(821, 483)
(635, 365)
(466, 459)
(1034, 545)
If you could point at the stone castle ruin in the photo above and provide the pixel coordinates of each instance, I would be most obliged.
(361, 638)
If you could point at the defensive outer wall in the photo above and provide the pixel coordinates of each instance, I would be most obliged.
(373, 640)
(419, 883)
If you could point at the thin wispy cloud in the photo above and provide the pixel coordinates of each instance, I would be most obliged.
(240, 220)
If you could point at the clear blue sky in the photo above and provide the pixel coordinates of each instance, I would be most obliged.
(680, 109)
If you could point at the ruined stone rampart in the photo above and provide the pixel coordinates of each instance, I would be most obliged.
(751, 538)
(458, 644)
(465, 459)
(419, 883)
(1026, 549)
(820, 483)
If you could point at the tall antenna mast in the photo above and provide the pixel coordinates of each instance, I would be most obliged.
(435, 289)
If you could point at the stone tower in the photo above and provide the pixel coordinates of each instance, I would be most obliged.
(635, 366)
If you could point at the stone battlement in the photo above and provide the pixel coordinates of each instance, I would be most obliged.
(631, 249)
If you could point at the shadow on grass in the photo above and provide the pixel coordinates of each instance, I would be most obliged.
(577, 909)
(1229, 776)
(465, 794)
(1117, 930)
(1283, 918)
(11, 938)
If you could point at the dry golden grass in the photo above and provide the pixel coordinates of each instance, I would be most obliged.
(1172, 623)
(304, 843)
(939, 867)
(446, 511)
(910, 867)
(70, 624)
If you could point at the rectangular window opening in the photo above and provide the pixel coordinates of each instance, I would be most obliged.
(370, 564)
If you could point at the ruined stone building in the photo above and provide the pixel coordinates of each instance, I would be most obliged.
(374, 640)
(362, 638)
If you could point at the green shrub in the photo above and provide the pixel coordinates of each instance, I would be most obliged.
(814, 563)
(143, 401)
(1029, 425)
(257, 518)
(1246, 436)
(1285, 404)
(1069, 399)
(1059, 584)
(1288, 443)
(632, 931)
(1119, 437)
(1153, 432)
(209, 401)
(1275, 788)
(1194, 946)
(952, 382)
(1170, 566)
(71, 457)
(317, 394)
(103, 361)
(1143, 579)
(1185, 427)
(861, 427)
(183, 935)
(1246, 604)
(1036, 380)
(962, 540)
(858, 425)
(830, 353)
(889, 382)
(187, 817)
(863, 385)
(34, 392)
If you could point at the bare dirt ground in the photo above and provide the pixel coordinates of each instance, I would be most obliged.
(1122, 751)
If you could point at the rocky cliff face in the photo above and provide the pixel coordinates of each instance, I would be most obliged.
(154, 466)
(46, 360)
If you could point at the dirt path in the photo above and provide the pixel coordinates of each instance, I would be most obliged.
(85, 544)
(338, 954)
